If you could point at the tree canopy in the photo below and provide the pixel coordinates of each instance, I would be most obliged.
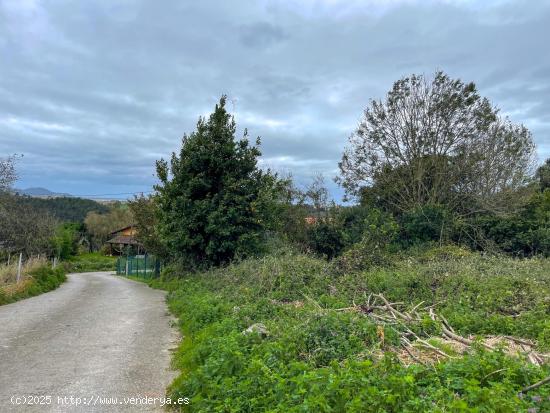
(66, 209)
(436, 141)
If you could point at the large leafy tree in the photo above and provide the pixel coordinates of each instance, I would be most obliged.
(214, 203)
(436, 141)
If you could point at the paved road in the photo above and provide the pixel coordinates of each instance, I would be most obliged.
(97, 335)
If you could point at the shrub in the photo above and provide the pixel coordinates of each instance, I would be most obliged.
(445, 252)
(353, 221)
(427, 223)
(360, 257)
(524, 233)
(326, 239)
(65, 240)
(373, 249)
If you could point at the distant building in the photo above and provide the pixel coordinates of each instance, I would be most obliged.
(124, 240)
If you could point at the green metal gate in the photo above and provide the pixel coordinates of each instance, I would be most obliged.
(144, 266)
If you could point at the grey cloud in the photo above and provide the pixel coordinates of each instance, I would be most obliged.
(261, 35)
(94, 92)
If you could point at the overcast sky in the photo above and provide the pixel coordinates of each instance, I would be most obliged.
(92, 92)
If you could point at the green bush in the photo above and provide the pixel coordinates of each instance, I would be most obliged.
(445, 252)
(325, 239)
(65, 240)
(425, 224)
(380, 232)
(525, 233)
(353, 221)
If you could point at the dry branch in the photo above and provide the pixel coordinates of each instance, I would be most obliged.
(537, 384)
(382, 311)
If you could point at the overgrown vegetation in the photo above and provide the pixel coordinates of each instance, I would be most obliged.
(305, 352)
(37, 277)
(430, 294)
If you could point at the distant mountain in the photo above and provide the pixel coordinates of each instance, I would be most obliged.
(41, 192)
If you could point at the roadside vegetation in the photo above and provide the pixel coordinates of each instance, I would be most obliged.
(37, 277)
(88, 262)
(288, 332)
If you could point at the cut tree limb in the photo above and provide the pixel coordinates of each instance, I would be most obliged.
(537, 384)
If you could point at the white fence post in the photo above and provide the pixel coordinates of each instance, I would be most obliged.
(19, 267)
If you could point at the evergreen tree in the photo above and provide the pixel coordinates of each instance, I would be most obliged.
(543, 175)
(214, 203)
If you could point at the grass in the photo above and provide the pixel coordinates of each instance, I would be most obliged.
(37, 277)
(315, 359)
(8, 273)
(89, 262)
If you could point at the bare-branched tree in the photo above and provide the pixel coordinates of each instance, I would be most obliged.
(8, 173)
(317, 193)
(436, 141)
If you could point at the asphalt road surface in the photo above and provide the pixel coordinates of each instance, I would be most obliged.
(100, 338)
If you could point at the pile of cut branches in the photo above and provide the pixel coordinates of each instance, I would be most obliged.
(417, 346)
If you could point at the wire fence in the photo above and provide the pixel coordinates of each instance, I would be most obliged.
(16, 267)
(143, 266)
